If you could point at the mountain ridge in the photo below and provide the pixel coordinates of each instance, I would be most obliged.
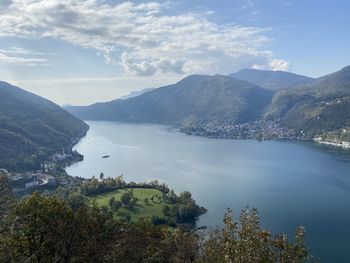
(194, 97)
(317, 107)
(32, 128)
(134, 94)
(272, 80)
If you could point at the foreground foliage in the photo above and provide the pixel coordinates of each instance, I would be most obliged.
(247, 242)
(48, 229)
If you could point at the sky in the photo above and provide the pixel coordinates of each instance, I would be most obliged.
(81, 52)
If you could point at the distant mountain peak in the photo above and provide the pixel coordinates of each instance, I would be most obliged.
(272, 80)
(341, 76)
(344, 71)
(317, 107)
(346, 68)
(194, 98)
(135, 93)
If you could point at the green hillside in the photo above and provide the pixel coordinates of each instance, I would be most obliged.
(315, 108)
(272, 80)
(195, 98)
(141, 209)
(32, 128)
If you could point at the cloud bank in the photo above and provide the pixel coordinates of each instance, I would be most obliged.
(144, 39)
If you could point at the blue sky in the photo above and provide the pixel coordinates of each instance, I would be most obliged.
(80, 52)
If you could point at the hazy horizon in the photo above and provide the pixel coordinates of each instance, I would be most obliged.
(83, 52)
(92, 99)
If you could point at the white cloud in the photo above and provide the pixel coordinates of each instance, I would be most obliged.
(274, 64)
(21, 51)
(168, 66)
(20, 56)
(249, 4)
(142, 68)
(149, 68)
(142, 38)
(279, 64)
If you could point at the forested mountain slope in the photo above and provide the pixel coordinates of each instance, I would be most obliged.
(195, 98)
(272, 80)
(321, 106)
(31, 128)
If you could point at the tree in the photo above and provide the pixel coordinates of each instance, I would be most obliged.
(41, 229)
(172, 197)
(46, 229)
(247, 242)
(7, 201)
(185, 196)
(125, 198)
(166, 211)
(7, 198)
(75, 200)
(115, 206)
(111, 201)
(158, 220)
(127, 217)
(102, 176)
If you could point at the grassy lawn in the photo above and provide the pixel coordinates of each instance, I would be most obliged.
(141, 209)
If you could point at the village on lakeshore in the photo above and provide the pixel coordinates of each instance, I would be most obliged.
(50, 175)
(265, 130)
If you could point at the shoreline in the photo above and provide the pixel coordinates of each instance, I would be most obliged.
(338, 144)
(316, 141)
(285, 135)
(74, 143)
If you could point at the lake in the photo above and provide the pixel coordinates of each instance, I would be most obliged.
(290, 183)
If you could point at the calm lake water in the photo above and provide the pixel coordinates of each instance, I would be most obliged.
(290, 183)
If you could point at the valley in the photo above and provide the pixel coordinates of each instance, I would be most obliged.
(288, 181)
(146, 137)
(285, 106)
(155, 131)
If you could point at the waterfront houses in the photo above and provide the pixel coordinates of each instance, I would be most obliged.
(334, 142)
(260, 130)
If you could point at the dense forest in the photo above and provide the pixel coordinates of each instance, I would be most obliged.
(33, 128)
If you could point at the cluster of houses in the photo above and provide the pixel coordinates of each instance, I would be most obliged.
(333, 142)
(29, 180)
(62, 156)
(251, 130)
(340, 138)
(48, 177)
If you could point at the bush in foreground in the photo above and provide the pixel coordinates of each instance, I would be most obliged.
(47, 229)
